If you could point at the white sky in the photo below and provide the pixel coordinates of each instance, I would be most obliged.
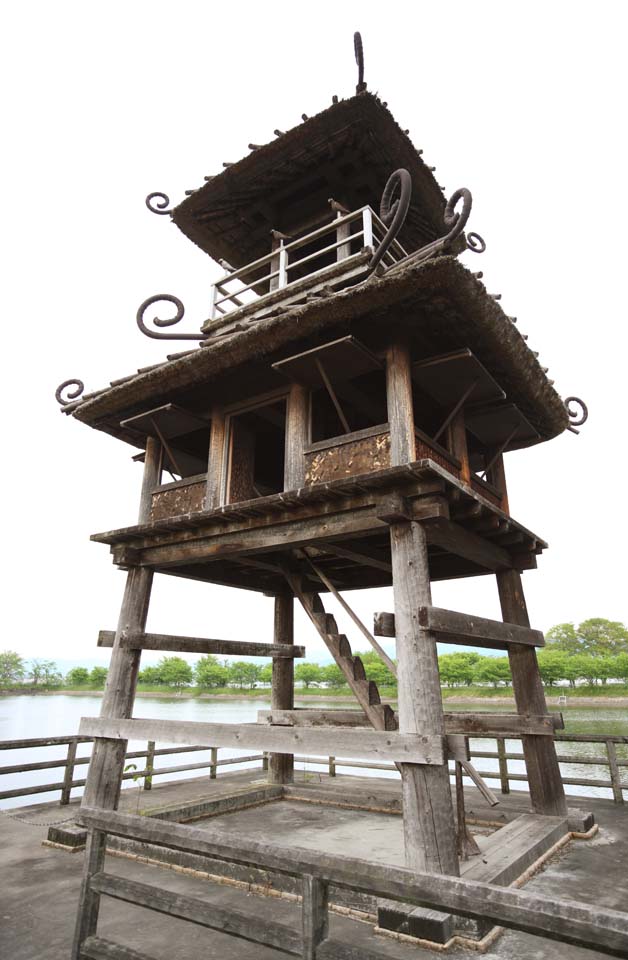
(103, 103)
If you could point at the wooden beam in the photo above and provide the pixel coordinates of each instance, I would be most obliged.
(357, 556)
(297, 436)
(470, 724)
(278, 536)
(453, 627)
(453, 538)
(229, 648)
(590, 926)
(544, 778)
(215, 464)
(459, 628)
(196, 910)
(355, 744)
(281, 765)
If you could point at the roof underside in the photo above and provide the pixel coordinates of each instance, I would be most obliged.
(439, 304)
(346, 152)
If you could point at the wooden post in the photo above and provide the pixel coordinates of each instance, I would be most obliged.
(282, 689)
(498, 479)
(151, 478)
(332, 766)
(546, 786)
(297, 436)
(213, 768)
(315, 918)
(503, 765)
(399, 401)
(215, 463)
(428, 816)
(618, 793)
(68, 776)
(150, 765)
(104, 777)
(89, 901)
(457, 434)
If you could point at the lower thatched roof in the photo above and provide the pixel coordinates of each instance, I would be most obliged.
(439, 303)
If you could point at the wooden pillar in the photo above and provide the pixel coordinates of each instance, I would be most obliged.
(399, 401)
(458, 445)
(215, 463)
(498, 479)
(546, 787)
(282, 693)
(104, 777)
(428, 817)
(297, 436)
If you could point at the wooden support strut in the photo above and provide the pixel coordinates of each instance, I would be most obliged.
(281, 765)
(428, 817)
(104, 778)
(546, 787)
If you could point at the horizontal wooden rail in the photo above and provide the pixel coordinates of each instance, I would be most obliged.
(363, 744)
(229, 648)
(462, 628)
(614, 764)
(579, 924)
(470, 724)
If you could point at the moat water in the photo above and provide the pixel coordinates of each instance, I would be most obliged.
(24, 717)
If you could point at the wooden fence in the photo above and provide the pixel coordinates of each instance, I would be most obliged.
(501, 754)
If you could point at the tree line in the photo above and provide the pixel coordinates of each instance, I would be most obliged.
(593, 652)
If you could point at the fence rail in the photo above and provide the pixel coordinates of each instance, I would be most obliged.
(501, 754)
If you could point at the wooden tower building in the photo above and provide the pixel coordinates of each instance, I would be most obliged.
(340, 422)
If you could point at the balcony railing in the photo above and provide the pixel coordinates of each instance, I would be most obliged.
(302, 261)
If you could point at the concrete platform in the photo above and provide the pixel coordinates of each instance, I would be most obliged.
(40, 884)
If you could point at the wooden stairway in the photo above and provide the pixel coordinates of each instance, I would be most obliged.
(380, 715)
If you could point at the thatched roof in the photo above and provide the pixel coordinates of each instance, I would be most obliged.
(440, 304)
(347, 152)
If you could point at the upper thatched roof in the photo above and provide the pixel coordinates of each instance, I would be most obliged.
(439, 303)
(346, 152)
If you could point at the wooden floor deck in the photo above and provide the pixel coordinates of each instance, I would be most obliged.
(40, 892)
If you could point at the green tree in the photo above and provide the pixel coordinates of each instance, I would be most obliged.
(98, 677)
(553, 665)
(77, 677)
(175, 671)
(458, 668)
(44, 672)
(150, 675)
(308, 674)
(564, 637)
(376, 669)
(208, 672)
(494, 670)
(621, 666)
(242, 673)
(12, 668)
(333, 676)
(266, 673)
(596, 636)
(602, 638)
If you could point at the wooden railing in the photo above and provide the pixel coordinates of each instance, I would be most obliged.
(71, 761)
(502, 773)
(505, 775)
(579, 924)
(348, 235)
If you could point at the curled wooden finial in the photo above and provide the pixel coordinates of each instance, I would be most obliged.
(359, 59)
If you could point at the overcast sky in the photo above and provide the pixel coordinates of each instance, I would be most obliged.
(524, 104)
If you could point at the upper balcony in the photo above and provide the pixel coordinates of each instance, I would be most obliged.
(332, 256)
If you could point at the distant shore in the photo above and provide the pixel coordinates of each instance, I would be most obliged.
(312, 698)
